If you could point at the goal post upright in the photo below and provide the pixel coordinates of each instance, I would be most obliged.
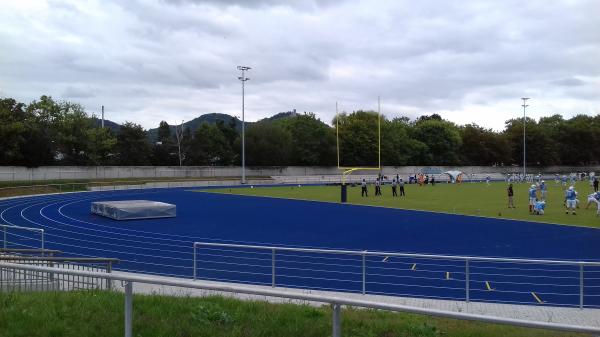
(346, 171)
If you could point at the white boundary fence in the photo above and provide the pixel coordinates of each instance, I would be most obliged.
(335, 301)
(5, 229)
(322, 268)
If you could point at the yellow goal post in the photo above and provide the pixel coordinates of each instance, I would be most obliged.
(348, 170)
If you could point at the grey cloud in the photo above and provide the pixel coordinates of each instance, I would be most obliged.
(177, 58)
(569, 82)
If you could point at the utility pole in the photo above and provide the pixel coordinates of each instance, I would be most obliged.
(243, 78)
(524, 140)
(179, 135)
(103, 116)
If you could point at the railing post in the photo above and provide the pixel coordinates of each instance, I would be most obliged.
(364, 272)
(128, 308)
(337, 320)
(108, 271)
(467, 280)
(581, 286)
(273, 267)
(194, 261)
(43, 245)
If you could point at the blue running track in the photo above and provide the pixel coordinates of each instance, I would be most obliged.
(164, 246)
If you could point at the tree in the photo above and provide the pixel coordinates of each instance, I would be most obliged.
(397, 146)
(358, 138)
(442, 139)
(268, 145)
(13, 132)
(209, 147)
(313, 142)
(164, 149)
(482, 146)
(133, 147)
(101, 143)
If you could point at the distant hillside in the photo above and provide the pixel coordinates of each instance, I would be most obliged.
(211, 118)
(107, 124)
(281, 115)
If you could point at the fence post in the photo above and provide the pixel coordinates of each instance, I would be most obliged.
(273, 267)
(194, 261)
(581, 286)
(109, 270)
(337, 320)
(128, 308)
(467, 280)
(43, 245)
(364, 272)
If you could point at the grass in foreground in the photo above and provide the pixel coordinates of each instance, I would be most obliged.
(101, 314)
(468, 198)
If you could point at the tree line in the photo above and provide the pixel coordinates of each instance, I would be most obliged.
(49, 132)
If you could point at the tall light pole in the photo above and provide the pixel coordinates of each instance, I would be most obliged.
(243, 78)
(179, 137)
(524, 141)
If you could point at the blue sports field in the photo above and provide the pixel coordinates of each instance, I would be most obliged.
(165, 246)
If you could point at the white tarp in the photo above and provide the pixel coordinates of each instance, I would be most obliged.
(134, 209)
(453, 175)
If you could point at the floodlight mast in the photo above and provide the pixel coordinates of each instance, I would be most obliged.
(524, 140)
(179, 136)
(243, 78)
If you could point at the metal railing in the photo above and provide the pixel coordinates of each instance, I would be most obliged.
(17, 279)
(5, 229)
(335, 301)
(503, 280)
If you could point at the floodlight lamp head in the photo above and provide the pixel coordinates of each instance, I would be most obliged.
(525, 98)
(243, 68)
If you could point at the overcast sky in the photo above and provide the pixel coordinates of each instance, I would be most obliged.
(173, 60)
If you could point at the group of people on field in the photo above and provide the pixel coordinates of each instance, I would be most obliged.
(396, 183)
(537, 194)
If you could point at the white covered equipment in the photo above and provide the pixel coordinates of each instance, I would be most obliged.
(134, 209)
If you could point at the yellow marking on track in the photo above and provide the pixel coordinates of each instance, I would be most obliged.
(385, 259)
(414, 267)
(448, 275)
(537, 298)
(489, 288)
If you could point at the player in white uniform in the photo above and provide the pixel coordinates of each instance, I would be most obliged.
(571, 196)
(594, 198)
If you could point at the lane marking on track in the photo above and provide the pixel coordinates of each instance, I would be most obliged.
(414, 267)
(385, 259)
(537, 298)
(448, 276)
(487, 285)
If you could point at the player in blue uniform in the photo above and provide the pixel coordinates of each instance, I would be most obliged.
(539, 207)
(571, 196)
(532, 197)
(543, 189)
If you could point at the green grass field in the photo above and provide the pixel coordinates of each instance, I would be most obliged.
(468, 198)
(49, 314)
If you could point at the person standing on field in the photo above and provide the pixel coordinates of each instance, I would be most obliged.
(595, 184)
(511, 194)
(364, 192)
(532, 197)
(394, 193)
(571, 197)
(543, 189)
(401, 183)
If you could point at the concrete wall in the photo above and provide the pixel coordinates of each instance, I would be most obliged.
(15, 173)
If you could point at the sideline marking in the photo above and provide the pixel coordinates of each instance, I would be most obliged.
(537, 298)
(414, 267)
